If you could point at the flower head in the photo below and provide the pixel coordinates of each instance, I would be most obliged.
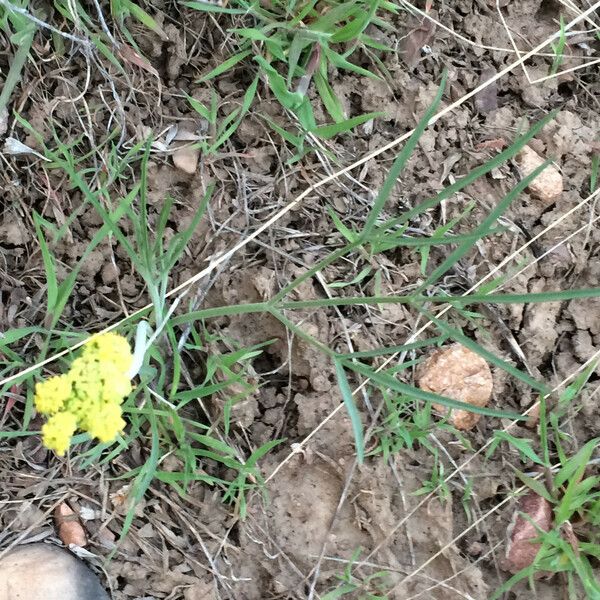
(110, 348)
(57, 431)
(106, 423)
(89, 396)
(51, 395)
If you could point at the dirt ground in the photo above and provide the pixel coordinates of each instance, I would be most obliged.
(297, 538)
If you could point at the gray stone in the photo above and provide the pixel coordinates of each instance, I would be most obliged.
(44, 572)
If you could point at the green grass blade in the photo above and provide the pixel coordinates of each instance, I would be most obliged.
(328, 97)
(396, 349)
(226, 65)
(357, 427)
(492, 358)
(534, 297)
(49, 266)
(146, 475)
(400, 162)
(215, 8)
(483, 229)
(476, 173)
(18, 62)
(387, 381)
(328, 131)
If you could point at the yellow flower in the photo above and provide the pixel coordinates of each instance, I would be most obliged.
(51, 395)
(110, 348)
(115, 383)
(89, 396)
(106, 423)
(57, 432)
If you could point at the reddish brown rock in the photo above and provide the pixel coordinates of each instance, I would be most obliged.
(521, 549)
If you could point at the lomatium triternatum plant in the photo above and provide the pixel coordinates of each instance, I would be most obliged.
(89, 396)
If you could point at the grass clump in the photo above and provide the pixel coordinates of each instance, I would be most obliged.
(567, 480)
(295, 43)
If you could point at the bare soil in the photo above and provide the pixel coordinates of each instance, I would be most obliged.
(195, 547)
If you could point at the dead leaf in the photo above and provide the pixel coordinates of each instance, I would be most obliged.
(69, 528)
(411, 44)
(569, 535)
(495, 144)
(486, 100)
(533, 416)
(129, 55)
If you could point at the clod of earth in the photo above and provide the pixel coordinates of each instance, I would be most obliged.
(521, 549)
(548, 185)
(36, 571)
(458, 373)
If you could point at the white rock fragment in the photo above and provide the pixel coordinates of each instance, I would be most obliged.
(548, 185)
(186, 159)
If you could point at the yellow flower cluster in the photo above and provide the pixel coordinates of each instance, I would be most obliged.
(89, 396)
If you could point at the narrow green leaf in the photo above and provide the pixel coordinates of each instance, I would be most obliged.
(144, 479)
(226, 65)
(483, 229)
(357, 427)
(294, 140)
(143, 17)
(536, 485)
(398, 165)
(476, 173)
(13, 76)
(396, 349)
(392, 383)
(256, 35)
(490, 357)
(536, 297)
(357, 279)
(202, 110)
(357, 25)
(328, 97)
(49, 265)
(299, 43)
(522, 445)
(341, 63)
(215, 8)
(567, 471)
(328, 131)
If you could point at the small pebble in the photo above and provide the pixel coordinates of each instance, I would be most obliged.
(548, 185)
(186, 159)
(522, 549)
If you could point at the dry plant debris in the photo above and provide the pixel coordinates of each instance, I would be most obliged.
(548, 185)
(521, 550)
(458, 373)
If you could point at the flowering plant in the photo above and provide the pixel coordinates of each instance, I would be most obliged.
(89, 395)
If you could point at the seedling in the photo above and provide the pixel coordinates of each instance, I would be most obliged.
(571, 543)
